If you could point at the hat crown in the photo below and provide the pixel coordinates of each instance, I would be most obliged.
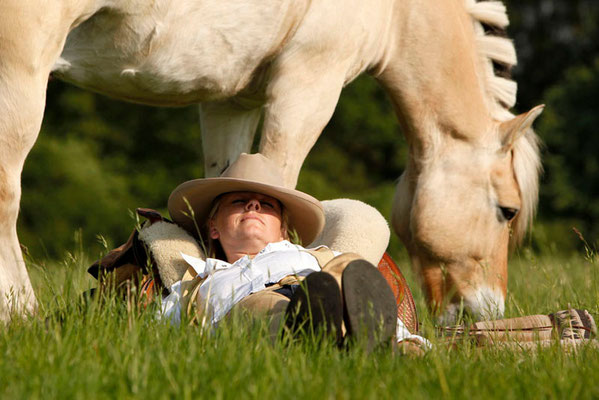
(254, 167)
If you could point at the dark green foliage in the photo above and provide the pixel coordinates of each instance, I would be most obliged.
(66, 186)
(569, 128)
(550, 37)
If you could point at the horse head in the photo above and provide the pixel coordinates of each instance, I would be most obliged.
(461, 207)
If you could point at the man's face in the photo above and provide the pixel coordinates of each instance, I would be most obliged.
(247, 220)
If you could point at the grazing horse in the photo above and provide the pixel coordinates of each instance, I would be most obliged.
(471, 182)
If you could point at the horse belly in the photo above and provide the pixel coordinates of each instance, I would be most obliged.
(185, 53)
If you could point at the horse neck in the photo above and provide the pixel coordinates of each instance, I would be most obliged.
(433, 72)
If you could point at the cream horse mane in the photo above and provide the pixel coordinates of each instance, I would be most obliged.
(499, 56)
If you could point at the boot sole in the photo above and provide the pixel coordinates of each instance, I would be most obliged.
(316, 307)
(370, 311)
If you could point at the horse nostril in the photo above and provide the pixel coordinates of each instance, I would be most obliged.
(508, 212)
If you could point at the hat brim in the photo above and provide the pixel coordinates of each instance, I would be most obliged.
(305, 213)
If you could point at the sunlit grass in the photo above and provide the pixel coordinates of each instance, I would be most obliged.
(88, 350)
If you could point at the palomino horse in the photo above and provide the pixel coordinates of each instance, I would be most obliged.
(471, 183)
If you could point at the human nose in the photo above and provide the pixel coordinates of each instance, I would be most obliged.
(252, 205)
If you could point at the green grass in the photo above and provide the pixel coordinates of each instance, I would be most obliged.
(118, 351)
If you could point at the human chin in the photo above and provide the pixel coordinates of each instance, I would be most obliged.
(262, 234)
(253, 229)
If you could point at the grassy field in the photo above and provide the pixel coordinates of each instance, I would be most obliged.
(117, 351)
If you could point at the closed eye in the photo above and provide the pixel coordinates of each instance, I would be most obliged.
(267, 204)
(508, 212)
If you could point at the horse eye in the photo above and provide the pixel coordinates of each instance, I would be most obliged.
(508, 212)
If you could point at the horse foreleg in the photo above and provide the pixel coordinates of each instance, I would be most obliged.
(302, 96)
(32, 35)
(21, 108)
(228, 130)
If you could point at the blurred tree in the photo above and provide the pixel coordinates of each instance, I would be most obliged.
(550, 36)
(67, 186)
(570, 189)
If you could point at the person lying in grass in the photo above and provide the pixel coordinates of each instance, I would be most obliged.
(252, 265)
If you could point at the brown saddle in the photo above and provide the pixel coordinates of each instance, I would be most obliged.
(129, 263)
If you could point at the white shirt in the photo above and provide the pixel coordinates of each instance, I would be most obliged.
(227, 284)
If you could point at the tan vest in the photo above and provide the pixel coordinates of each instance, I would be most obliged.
(191, 282)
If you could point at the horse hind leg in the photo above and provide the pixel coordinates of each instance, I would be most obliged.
(228, 129)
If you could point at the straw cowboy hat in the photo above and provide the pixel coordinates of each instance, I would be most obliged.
(249, 173)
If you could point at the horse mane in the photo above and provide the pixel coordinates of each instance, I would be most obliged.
(498, 56)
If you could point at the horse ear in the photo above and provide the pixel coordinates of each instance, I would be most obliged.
(512, 130)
